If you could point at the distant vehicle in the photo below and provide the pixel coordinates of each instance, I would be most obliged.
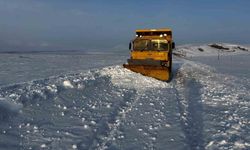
(151, 53)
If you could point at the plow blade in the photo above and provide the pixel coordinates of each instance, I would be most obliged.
(159, 72)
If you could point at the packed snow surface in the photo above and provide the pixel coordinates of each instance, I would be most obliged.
(205, 106)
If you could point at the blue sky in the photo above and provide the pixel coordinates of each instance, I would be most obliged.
(110, 24)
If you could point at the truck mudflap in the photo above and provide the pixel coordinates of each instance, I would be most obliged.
(159, 72)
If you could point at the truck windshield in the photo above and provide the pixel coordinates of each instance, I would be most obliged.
(156, 44)
(141, 45)
(159, 45)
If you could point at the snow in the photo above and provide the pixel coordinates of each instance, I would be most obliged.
(208, 50)
(205, 106)
(74, 146)
(124, 78)
(67, 84)
(9, 107)
(43, 145)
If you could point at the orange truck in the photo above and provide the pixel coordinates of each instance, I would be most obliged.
(151, 53)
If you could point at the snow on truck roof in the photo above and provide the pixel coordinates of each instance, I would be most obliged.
(154, 30)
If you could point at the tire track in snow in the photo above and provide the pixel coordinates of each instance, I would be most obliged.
(188, 96)
(144, 117)
(190, 107)
(224, 105)
(121, 116)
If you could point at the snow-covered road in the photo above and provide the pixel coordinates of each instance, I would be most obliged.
(114, 108)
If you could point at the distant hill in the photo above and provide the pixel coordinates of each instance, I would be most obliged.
(210, 50)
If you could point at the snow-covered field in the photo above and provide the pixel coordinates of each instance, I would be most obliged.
(92, 102)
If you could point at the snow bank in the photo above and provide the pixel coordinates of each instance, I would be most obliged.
(122, 77)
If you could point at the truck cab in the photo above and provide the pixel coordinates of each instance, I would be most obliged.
(151, 53)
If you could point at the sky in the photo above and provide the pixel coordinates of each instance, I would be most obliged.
(101, 25)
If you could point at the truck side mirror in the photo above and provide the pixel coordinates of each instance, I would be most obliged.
(130, 46)
(173, 45)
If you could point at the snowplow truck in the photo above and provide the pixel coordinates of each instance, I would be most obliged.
(151, 53)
